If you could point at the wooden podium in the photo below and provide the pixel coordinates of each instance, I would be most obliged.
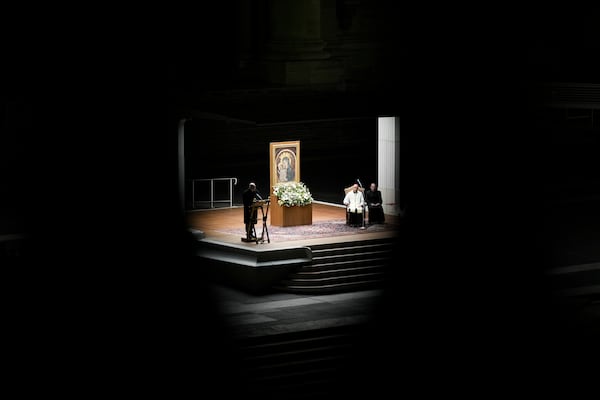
(290, 216)
(251, 235)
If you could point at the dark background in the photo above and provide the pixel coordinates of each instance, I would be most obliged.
(89, 156)
(333, 154)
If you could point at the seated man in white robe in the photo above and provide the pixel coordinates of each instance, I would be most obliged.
(354, 202)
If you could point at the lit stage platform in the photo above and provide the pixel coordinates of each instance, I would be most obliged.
(256, 267)
(226, 225)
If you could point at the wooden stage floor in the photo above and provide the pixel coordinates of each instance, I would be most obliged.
(227, 225)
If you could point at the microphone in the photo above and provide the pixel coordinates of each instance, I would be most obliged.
(258, 195)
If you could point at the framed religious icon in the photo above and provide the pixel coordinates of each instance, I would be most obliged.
(284, 162)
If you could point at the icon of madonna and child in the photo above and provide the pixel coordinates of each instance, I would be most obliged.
(286, 162)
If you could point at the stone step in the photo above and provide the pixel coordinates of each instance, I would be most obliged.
(323, 332)
(291, 342)
(342, 265)
(349, 256)
(338, 270)
(332, 288)
(333, 279)
(303, 362)
(366, 242)
(352, 249)
(284, 355)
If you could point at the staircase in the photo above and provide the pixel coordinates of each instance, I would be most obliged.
(305, 364)
(341, 267)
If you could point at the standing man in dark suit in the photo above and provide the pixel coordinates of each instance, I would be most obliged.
(248, 197)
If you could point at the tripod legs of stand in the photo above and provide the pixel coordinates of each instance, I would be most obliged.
(265, 229)
(262, 234)
(251, 235)
(364, 214)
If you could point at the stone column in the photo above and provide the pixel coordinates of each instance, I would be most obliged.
(388, 163)
(295, 52)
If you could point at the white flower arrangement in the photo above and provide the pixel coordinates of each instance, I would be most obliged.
(292, 194)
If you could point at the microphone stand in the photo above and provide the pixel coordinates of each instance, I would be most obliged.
(363, 206)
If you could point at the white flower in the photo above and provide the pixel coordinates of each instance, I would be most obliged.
(292, 194)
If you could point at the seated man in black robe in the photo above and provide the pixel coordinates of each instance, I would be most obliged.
(375, 205)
